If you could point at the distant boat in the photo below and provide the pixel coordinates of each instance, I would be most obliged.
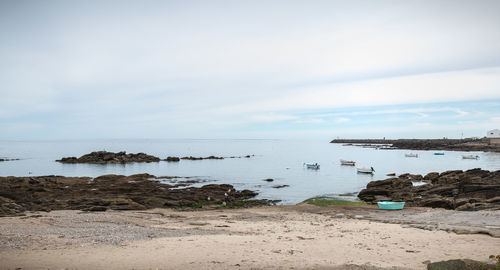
(347, 162)
(411, 155)
(391, 205)
(311, 165)
(470, 156)
(365, 170)
(439, 154)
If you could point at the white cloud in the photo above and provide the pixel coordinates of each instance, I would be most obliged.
(426, 88)
(271, 117)
(311, 121)
(170, 65)
(342, 120)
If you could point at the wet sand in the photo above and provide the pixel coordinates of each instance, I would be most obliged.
(275, 237)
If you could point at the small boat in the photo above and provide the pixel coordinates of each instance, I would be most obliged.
(311, 165)
(411, 155)
(347, 162)
(439, 154)
(391, 205)
(365, 170)
(470, 156)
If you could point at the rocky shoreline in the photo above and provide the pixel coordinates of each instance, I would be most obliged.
(116, 192)
(468, 144)
(469, 190)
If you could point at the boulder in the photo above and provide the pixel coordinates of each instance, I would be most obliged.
(431, 176)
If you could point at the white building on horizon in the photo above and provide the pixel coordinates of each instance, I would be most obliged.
(494, 133)
(493, 136)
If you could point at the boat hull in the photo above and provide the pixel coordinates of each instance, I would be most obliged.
(347, 163)
(314, 166)
(391, 205)
(365, 170)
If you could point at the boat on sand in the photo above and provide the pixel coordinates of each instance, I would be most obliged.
(386, 205)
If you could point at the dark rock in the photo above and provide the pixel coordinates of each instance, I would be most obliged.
(172, 159)
(454, 172)
(416, 177)
(103, 157)
(280, 186)
(201, 158)
(437, 202)
(474, 189)
(347, 194)
(97, 208)
(431, 176)
(269, 180)
(8, 159)
(460, 264)
(379, 198)
(493, 200)
(117, 192)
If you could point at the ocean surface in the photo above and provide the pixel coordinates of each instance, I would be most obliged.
(281, 160)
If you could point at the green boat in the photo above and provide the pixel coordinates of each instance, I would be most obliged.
(439, 154)
(391, 205)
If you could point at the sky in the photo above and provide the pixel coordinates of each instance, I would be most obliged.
(249, 69)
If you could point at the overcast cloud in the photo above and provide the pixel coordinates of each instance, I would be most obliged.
(248, 69)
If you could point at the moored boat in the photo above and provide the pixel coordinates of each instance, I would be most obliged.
(347, 162)
(439, 154)
(365, 170)
(311, 165)
(411, 155)
(386, 205)
(470, 156)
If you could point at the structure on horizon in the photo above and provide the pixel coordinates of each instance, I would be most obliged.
(493, 136)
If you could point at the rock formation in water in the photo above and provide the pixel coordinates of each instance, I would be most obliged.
(103, 157)
(201, 158)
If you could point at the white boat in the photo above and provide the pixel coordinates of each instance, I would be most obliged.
(311, 165)
(365, 170)
(411, 155)
(470, 156)
(347, 162)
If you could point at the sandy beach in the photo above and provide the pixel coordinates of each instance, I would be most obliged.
(272, 237)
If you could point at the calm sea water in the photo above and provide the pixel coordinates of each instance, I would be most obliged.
(281, 160)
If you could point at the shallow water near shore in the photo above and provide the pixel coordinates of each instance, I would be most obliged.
(281, 160)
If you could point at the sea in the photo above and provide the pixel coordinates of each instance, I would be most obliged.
(280, 160)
